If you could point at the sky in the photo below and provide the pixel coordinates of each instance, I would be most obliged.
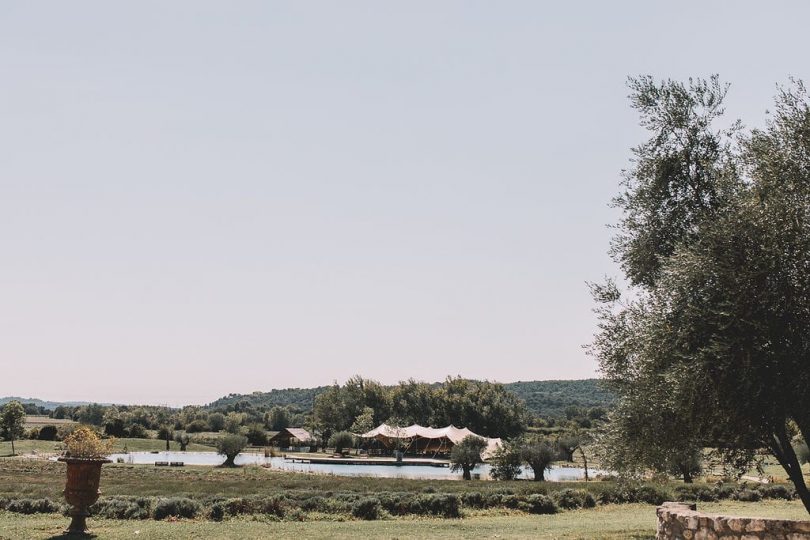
(199, 198)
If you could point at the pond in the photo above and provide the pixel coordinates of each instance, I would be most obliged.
(556, 474)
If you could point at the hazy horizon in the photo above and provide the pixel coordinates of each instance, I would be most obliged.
(199, 199)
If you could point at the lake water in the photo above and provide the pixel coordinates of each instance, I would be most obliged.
(556, 474)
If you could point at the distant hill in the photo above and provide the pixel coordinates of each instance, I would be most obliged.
(543, 398)
(550, 398)
(302, 398)
(49, 405)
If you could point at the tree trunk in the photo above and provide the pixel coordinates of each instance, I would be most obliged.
(12, 446)
(687, 476)
(784, 453)
(585, 461)
(467, 475)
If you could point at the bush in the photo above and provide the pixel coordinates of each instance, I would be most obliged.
(777, 491)
(442, 504)
(748, 495)
(255, 505)
(652, 495)
(137, 431)
(30, 506)
(540, 504)
(122, 508)
(256, 435)
(368, 508)
(571, 499)
(177, 507)
(165, 433)
(341, 440)
(217, 512)
(696, 493)
(197, 426)
(48, 433)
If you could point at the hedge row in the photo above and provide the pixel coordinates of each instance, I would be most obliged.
(294, 505)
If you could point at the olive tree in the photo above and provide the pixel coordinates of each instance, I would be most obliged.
(715, 246)
(538, 454)
(230, 446)
(467, 454)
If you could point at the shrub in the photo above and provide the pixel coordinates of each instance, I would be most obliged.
(83, 442)
(748, 495)
(777, 491)
(368, 508)
(341, 440)
(165, 433)
(122, 508)
(137, 431)
(473, 499)
(31, 506)
(540, 504)
(442, 504)
(48, 433)
(217, 512)
(651, 495)
(696, 493)
(255, 505)
(256, 435)
(571, 499)
(196, 426)
(177, 507)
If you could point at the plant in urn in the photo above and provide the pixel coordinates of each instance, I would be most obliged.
(85, 454)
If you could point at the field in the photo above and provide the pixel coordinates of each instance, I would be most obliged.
(36, 479)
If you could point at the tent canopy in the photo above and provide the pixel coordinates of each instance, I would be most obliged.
(451, 433)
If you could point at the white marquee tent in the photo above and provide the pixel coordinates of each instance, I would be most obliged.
(434, 439)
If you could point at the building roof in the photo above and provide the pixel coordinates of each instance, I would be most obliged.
(299, 433)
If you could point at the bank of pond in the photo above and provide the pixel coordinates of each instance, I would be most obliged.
(407, 469)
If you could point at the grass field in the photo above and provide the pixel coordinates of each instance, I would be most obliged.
(607, 522)
(133, 445)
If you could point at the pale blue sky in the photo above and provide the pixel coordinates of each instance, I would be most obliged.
(199, 198)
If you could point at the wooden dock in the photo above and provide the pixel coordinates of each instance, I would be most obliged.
(367, 461)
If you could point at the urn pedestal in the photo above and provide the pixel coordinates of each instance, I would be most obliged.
(81, 489)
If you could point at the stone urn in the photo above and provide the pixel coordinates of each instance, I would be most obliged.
(81, 488)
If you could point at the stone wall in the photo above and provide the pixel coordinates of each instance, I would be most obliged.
(678, 521)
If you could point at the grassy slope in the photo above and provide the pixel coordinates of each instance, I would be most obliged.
(610, 522)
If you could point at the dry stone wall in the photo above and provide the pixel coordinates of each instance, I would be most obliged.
(682, 521)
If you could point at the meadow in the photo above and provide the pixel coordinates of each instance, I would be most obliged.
(255, 502)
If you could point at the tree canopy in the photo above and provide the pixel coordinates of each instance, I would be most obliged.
(714, 331)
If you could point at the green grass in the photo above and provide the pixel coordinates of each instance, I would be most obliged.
(607, 522)
(40, 478)
(25, 446)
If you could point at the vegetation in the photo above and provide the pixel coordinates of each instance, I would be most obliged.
(341, 440)
(714, 242)
(538, 455)
(230, 446)
(507, 461)
(83, 442)
(12, 420)
(483, 407)
(467, 454)
(608, 522)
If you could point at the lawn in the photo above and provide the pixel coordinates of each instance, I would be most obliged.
(608, 522)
